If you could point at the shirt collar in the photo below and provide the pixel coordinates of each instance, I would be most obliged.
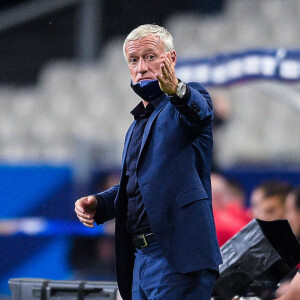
(140, 111)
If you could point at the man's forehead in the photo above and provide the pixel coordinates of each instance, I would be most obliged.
(275, 199)
(147, 43)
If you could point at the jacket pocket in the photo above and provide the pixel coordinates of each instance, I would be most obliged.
(191, 195)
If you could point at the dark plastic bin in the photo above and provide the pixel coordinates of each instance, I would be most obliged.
(43, 289)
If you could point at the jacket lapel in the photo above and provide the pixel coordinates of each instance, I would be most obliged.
(128, 137)
(153, 116)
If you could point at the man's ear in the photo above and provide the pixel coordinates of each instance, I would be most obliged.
(173, 56)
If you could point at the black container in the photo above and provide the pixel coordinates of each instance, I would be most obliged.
(43, 289)
(256, 259)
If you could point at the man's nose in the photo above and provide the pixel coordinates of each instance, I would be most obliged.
(142, 66)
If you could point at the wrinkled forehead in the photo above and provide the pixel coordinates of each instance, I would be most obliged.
(146, 43)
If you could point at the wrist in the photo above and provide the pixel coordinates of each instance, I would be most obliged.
(180, 90)
(185, 95)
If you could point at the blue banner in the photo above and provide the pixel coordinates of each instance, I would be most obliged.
(225, 69)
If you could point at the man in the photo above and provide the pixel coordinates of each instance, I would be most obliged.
(166, 246)
(267, 200)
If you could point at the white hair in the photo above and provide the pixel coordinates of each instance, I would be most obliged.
(147, 29)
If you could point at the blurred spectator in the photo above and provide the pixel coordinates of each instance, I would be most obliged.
(292, 291)
(267, 200)
(228, 207)
(288, 287)
(292, 210)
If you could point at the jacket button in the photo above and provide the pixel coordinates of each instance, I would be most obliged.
(194, 108)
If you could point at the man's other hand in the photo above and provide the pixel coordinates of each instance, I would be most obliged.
(85, 209)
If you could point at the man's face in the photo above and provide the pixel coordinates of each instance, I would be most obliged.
(143, 57)
(293, 214)
(269, 209)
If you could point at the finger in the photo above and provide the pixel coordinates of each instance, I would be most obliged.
(79, 208)
(158, 77)
(84, 215)
(168, 59)
(170, 68)
(164, 72)
(160, 80)
(166, 54)
(167, 69)
(85, 222)
(91, 226)
(161, 77)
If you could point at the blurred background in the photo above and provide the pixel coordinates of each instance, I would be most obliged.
(65, 99)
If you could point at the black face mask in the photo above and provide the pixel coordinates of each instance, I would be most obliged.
(148, 90)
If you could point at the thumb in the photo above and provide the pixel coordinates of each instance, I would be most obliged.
(91, 202)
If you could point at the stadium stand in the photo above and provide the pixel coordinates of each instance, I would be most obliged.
(74, 103)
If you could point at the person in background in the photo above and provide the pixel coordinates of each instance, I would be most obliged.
(273, 200)
(229, 209)
(267, 200)
(292, 210)
(292, 214)
(165, 238)
(292, 291)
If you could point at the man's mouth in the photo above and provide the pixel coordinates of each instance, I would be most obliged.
(146, 78)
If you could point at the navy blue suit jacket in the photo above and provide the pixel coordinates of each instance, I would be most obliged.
(173, 173)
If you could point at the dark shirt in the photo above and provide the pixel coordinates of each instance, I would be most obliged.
(137, 219)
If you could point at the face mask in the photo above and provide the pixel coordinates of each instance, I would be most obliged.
(148, 90)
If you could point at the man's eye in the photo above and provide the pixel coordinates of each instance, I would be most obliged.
(151, 57)
(132, 60)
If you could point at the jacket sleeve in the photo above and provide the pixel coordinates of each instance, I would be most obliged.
(106, 209)
(196, 111)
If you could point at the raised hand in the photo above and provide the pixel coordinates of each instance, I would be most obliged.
(168, 81)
